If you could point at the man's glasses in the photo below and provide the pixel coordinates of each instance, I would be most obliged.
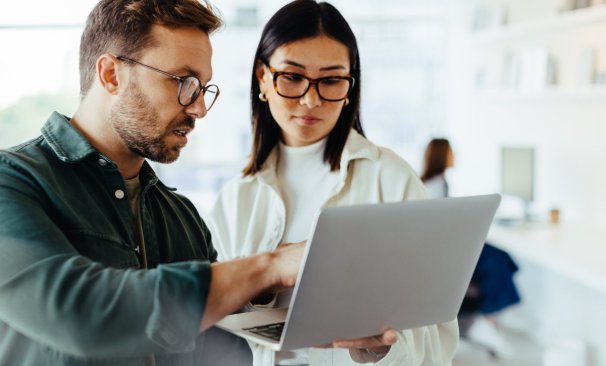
(190, 87)
(329, 88)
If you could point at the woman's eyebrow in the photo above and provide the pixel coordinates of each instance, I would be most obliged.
(327, 68)
(335, 67)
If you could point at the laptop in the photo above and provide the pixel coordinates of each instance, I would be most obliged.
(404, 265)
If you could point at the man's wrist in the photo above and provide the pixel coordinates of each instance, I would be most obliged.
(263, 273)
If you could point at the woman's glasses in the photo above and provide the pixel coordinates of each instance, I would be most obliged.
(329, 88)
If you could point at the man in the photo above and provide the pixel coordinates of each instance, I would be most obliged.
(100, 263)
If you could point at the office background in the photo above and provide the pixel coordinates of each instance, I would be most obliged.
(484, 73)
(404, 76)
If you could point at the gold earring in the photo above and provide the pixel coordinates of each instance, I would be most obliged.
(262, 97)
(346, 101)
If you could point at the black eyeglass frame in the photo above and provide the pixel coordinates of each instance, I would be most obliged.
(276, 74)
(181, 80)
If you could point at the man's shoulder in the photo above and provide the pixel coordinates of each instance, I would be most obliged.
(170, 194)
(26, 154)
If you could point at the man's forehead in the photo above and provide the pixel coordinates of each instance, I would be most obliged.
(186, 39)
(186, 50)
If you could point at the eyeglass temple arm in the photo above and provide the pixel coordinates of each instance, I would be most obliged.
(126, 59)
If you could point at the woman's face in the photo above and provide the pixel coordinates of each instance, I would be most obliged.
(307, 119)
(450, 159)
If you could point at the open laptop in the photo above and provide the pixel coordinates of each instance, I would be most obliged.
(404, 265)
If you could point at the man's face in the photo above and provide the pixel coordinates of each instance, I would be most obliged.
(147, 116)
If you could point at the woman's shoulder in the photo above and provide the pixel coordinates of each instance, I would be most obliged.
(391, 158)
(388, 160)
(388, 172)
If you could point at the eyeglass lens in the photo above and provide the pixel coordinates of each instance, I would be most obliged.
(290, 85)
(190, 89)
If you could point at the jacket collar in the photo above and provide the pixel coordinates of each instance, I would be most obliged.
(356, 147)
(69, 145)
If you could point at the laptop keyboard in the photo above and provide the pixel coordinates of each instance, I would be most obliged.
(271, 331)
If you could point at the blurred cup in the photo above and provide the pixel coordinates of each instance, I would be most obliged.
(554, 216)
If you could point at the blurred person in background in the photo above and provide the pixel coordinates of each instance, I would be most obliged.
(492, 289)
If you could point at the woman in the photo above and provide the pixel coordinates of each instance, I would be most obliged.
(309, 152)
(492, 288)
(438, 157)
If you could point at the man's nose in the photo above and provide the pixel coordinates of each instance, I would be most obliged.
(198, 108)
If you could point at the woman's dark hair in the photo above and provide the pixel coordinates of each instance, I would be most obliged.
(298, 20)
(436, 158)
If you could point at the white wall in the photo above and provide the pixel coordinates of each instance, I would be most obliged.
(567, 127)
(567, 130)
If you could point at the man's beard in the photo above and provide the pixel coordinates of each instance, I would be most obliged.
(136, 122)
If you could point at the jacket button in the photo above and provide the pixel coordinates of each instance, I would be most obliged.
(102, 162)
(119, 194)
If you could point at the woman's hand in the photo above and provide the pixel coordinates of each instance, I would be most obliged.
(368, 349)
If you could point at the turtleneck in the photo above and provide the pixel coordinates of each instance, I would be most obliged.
(305, 183)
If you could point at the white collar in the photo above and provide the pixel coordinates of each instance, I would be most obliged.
(356, 147)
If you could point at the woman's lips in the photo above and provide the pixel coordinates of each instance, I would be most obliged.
(308, 120)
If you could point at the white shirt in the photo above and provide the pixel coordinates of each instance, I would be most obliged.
(437, 187)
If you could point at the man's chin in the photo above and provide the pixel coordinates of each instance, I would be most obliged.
(166, 157)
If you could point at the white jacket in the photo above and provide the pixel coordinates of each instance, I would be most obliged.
(249, 218)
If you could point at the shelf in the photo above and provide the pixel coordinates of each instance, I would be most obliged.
(572, 19)
(589, 94)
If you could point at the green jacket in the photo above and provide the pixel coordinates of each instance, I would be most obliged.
(72, 291)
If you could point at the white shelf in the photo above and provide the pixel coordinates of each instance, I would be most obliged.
(560, 22)
(597, 94)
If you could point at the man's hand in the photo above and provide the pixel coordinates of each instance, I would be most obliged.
(236, 282)
(369, 349)
(286, 261)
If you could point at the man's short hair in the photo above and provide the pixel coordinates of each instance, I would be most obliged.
(123, 27)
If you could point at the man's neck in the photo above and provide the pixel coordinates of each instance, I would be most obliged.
(94, 125)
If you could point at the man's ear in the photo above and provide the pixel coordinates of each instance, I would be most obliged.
(107, 73)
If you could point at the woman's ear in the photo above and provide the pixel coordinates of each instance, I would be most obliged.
(260, 71)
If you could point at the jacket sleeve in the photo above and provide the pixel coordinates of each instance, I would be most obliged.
(54, 296)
